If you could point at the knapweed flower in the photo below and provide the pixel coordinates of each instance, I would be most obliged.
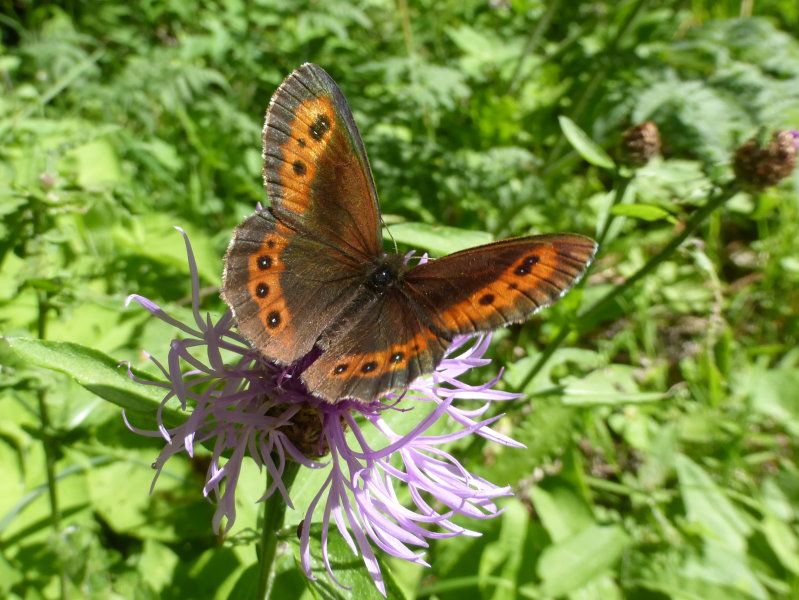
(242, 405)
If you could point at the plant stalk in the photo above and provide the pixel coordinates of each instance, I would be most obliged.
(691, 225)
(274, 514)
(49, 443)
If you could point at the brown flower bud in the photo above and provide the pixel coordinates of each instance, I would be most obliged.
(640, 144)
(764, 166)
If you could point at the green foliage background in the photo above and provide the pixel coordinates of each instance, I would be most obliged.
(661, 436)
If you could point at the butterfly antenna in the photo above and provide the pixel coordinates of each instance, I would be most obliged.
(383, 223)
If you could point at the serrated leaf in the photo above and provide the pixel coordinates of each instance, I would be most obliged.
(585, 146)
(439, 240)
(95, 371)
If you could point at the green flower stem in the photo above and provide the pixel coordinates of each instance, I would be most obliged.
(691, 226)
(49, 443)
(274, 514)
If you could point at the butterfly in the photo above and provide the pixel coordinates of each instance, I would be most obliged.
(309, 272)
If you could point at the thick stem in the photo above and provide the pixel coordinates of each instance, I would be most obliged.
(691, 226)
(274, 513)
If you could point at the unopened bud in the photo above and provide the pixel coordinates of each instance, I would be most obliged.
(768, 165)
(640, 144)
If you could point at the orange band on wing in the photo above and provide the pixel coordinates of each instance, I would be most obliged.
(535, 278)
(264, 267)
(376, 364)
(312, 130)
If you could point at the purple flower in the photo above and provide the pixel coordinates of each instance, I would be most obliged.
(244, 405)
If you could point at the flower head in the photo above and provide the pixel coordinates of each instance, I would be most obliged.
(640, 144)
(762, 166)
(243, 405)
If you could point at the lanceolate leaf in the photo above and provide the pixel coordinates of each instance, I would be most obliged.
(93, 370)
(588, 148)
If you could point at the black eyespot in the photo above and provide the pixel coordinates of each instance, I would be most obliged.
(486, 299)
(299, 168)
(369, 367)
(522, 270)
(301, 142)
(531, 261)
(397, 357)
(340, 368)
(273, 319)
(264, 262)
(319, 127)
(270, 243)
(262, 290)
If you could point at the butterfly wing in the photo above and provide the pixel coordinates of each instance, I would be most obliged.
(505, 282)
(291, 269)
(382, 343)
(390, 340)
(316, 172)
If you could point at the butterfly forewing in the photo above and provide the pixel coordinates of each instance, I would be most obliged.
(316, 172)
(291, 269)
(483, 288)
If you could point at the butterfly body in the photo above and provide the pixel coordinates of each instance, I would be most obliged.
(310, 271)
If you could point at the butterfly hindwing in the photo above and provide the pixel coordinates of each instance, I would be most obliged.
(284, 288)
(383, 344)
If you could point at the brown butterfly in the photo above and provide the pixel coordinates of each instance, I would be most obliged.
(310, 271)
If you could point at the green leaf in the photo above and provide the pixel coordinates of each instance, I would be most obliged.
(154, 237)
(614, 384)
(709, 508)
(783, 541)
(97, 164)
(572, 563)
(562, 510)
(348, 569)
(439, 240)
(585, 146)
(644, 212)
(503, 558)
(157, 564)
(96, 372)
(175, 510)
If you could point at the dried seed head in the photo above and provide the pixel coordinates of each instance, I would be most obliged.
(640, 144)
(761, 167)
